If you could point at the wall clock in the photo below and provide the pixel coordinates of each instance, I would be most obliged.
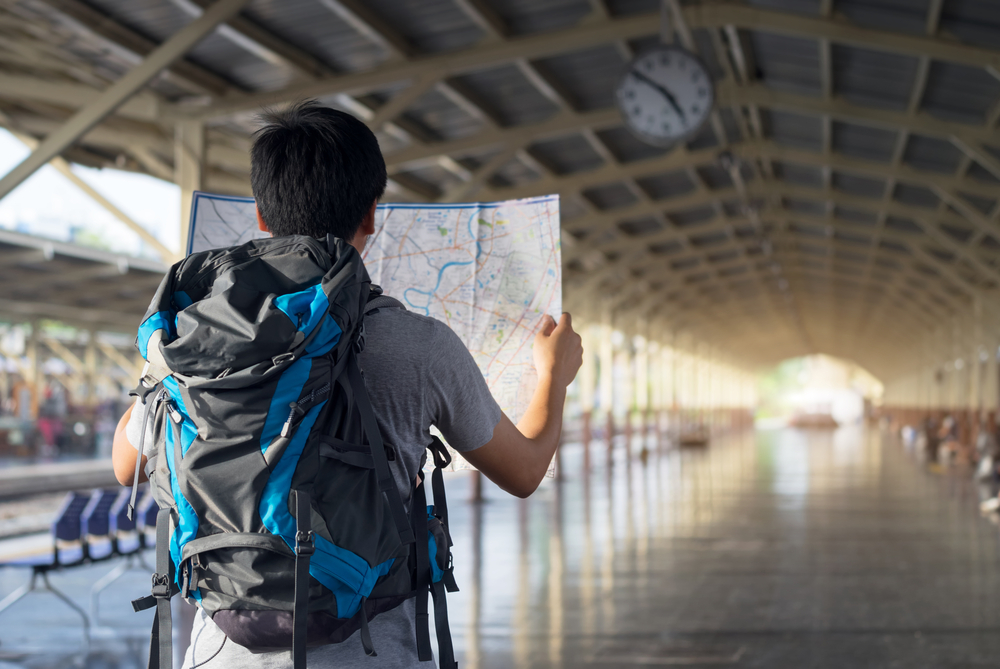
(666, 95)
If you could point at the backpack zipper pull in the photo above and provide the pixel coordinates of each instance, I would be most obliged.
(175, 415)
(286, 429)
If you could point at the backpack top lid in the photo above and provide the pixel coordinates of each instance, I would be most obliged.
(226, 318)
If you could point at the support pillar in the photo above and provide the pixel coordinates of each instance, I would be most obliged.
(588, 386)
(189, 157)
(34, 371)
(90, 369)
(641, 381)
(477, 487)
(655, 388)
(607, 361)
(627, 364)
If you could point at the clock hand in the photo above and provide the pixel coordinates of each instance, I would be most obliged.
(667, 94)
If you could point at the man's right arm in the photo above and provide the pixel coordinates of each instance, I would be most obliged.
(517, 456)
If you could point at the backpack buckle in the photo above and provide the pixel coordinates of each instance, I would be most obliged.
(359, 341)
(161, 586)
(304, 543)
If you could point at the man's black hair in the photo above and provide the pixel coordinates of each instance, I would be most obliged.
(314, 171)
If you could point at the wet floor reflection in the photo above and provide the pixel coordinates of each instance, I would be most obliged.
(769, 549)
(798, 549)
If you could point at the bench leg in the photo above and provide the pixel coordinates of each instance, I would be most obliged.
(69, 602)
(19, 594)
(102, 583)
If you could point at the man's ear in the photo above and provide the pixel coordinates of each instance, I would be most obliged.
(368, 223)
(261, 225)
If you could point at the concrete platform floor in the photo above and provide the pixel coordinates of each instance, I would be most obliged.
(778, 549)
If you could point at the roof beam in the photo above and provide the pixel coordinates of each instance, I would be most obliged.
(93, 113)
(132, 46)
(978, 154)
(260, 42)
(443, 65)
(144, 105)
(607, 220)
(567, 122)
(369, 24)
(629, 261)
(841, 109)
(837, 30)
(400, 102)
(787, 242)
(480, 13)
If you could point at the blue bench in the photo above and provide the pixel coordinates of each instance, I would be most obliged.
(89, 528)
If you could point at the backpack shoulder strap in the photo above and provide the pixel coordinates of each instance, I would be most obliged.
(376, 302)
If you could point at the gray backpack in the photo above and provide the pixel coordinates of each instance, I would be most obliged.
(279, 515)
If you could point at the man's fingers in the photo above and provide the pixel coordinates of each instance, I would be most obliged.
(548, 325)
(565, 321)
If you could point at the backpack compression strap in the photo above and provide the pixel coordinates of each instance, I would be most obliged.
(303, 551)
(424, 583)
(423, 574)
(386, 483)
(382, 302)
(160, 639)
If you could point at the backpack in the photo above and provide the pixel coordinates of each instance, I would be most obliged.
(279, 514)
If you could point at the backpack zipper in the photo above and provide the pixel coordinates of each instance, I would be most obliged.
(300, 407)
(175, 415)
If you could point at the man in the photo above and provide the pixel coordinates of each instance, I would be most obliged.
(315, 171)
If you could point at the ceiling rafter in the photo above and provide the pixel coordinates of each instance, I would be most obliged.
(607, 221)
(589, 33)
(839, 31)
(696, 300)
(786, 245)
(907, 308)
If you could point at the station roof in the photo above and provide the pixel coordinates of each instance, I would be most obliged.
(41, 279)
(843, 197)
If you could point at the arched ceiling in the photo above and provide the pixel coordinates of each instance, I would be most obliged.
(843, 199)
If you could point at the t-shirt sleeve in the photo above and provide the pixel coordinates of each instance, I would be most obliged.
(460, 402)
(133, 428)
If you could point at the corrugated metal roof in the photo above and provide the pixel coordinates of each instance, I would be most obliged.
(957, 92)
(916, 196)
(866, 142)
(857, 185)
(795, 130)
(627, 147)
(932, 154)
(444, 118)
(873, 78)
(566, 155)
(909, 16)
(786, 63)
(319, 31)
(430, 26)
(526, 17)
(513, 99)
(973, 21)
(589, 76)
(667, 184)
(802, 175)
(610, 196)
(809, 7)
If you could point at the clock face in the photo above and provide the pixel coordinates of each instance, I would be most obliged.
(666, 95)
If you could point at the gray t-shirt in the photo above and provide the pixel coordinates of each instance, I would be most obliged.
(418, 374)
